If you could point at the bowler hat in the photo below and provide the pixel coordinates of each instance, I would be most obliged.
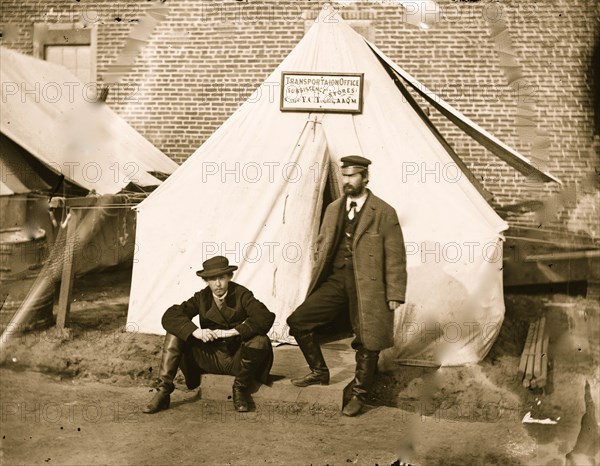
(215, 266)
(352, 164)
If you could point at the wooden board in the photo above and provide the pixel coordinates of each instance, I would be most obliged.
(544, 375)
(537, 363)
(530, 357)
(528, 340)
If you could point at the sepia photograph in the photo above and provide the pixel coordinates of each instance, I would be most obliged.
(352, 232)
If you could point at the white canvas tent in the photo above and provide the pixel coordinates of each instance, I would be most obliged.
(254, 191)
(50, 113)
(51, 125)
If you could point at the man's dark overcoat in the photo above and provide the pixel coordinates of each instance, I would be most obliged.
(379, 265)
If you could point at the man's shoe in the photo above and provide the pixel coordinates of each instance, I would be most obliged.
(353, 407)
(240, 400)
(160, 402)
(314, 378)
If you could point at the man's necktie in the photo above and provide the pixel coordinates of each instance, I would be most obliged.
(352, 210)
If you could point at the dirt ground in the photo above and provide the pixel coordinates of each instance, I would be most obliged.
(76, 398)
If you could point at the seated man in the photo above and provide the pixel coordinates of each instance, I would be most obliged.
(232, 338)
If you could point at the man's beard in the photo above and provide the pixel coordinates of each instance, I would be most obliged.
(352, 191)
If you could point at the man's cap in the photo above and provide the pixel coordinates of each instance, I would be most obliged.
(215, 267)
(352, 164)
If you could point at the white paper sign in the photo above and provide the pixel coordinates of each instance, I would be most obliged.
(321, 92)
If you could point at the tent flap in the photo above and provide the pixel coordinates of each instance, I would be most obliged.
(497, 147)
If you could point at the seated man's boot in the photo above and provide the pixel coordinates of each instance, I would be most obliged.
(160, 401)
(366, 367)
(240, 398)
(311, 349)
(253, 354)
(171, 357)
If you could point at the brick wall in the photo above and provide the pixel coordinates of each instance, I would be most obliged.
(207, 57)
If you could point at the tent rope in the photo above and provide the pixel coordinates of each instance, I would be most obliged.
(314, 126)
(285, 207)
(274, 290)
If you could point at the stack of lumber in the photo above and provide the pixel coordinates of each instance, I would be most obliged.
(533, 369)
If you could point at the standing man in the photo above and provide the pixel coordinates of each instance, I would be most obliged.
(360, 265)
(232, 338)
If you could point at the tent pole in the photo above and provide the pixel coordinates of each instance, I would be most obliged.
(66, 283)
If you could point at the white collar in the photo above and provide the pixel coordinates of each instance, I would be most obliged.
(222, 298)
(360, 201)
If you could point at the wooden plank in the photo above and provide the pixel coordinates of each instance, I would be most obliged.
(544, 376)
(571, 255)
(560, 239)
(525, 354)
(66, 283)
(89, 201)
(537, 363)
(529, 365)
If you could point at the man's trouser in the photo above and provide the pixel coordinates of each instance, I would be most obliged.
(195, 357)
(326, 303)
(323, 306)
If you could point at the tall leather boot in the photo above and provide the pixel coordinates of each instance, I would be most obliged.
(250, 363)
(311, 349)
(366, 367)
(171, 357)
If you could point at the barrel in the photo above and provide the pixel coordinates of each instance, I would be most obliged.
(22, 255)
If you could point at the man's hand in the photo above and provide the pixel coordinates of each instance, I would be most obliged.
(205, 334)
(226, 333)
(394, 304)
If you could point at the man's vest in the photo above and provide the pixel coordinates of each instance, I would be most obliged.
(344, 253)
